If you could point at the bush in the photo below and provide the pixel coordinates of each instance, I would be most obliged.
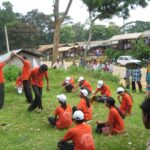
(11, 72)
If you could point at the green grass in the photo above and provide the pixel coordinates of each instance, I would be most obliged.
(25, 130)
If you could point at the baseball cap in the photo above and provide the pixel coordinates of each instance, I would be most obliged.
(62, 98)
(120, 89)
(100, 83)
(78, 115)
(84, 92)
(67, 79)
(81, 79)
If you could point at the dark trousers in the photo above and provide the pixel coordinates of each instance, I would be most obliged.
(2, 93)
(65, 146)
(38, 98)
(99, 128)
(69, 88)
(27, 91)
(52, 121)
(134, 86)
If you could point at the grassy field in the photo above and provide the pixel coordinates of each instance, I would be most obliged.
(22, 130)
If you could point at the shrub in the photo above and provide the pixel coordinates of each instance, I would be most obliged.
(11, 72)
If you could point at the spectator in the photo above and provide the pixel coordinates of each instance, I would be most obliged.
(127, 78)
(148, 78)
(58, 64)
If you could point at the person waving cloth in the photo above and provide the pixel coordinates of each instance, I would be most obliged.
(81, 135)
(84, 105)
(63, 114)
(83, 84)
(115, 123)
(125, 100)
(104, 90)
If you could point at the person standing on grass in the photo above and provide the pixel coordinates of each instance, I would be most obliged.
(148, 78)
(126, 101)
(81, 135)
(83, 84)
(105, 92)
(84, 105)
(115, 123)
(36, 77)
(2, 92)
(63, 114)
(25, 77)
(145, 106)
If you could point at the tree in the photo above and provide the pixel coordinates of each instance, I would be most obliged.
(102, 9)
(57, 27)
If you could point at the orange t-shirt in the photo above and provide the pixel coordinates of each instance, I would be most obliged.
(1, 72)
(26, 70)
(115, 120)
(18, 81)
(126, 103)
(72, 82)
(64, 117)
(105, 90)
(37, 77)
(81, 135)
(87, 85)
(86, 110)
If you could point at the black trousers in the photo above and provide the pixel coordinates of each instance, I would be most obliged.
(27, 91)
(69, 88)
(139, 85)
(2, 93)
(52, 121)
(65, 146)
(38, 98)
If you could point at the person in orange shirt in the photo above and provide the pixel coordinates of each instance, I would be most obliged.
(126, 101)
(2, 80)
(81, 135)
(104, 90)
(115, 123)
(19, 84)
(25, 77)
(83, 84)
(63, 114)
(68, 84)
(84, 105)
(36, 77)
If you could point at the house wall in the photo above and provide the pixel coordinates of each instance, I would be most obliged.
(16, 61)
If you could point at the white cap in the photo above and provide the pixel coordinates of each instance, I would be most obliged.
(84, 92)
(78, 115)
(120, 89)
(62, 98)
(81, 79)
(67, 79)
(100, 83)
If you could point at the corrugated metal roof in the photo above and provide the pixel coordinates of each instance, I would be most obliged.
(126, 36)
(146, 33)
(63, 49)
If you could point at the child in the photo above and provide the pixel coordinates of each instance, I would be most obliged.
(115, 123)
(84, 105)
(19, 84)
(81, 135)
(63, 114)
(126, 102)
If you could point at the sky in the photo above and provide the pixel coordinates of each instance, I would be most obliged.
(78, 10)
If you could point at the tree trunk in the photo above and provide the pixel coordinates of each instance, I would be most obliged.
(56, 40)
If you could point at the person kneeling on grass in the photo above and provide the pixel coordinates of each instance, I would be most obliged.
(81, 135)
(68, 84)
(115, 123)
(84, 105)
(126, 102)
(63, 114)
(105, 92)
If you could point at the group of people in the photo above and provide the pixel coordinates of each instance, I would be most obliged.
(82, 114)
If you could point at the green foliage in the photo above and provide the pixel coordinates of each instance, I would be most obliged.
(11, 72)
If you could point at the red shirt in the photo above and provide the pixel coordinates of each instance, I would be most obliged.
(86, 110)
(71, 81)
(115, 120)
(64, 117)
(1, 72)
(81, 135)
(87, 85)
(105, 90)
(126, 103)
(37, 77)
(26, 70)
